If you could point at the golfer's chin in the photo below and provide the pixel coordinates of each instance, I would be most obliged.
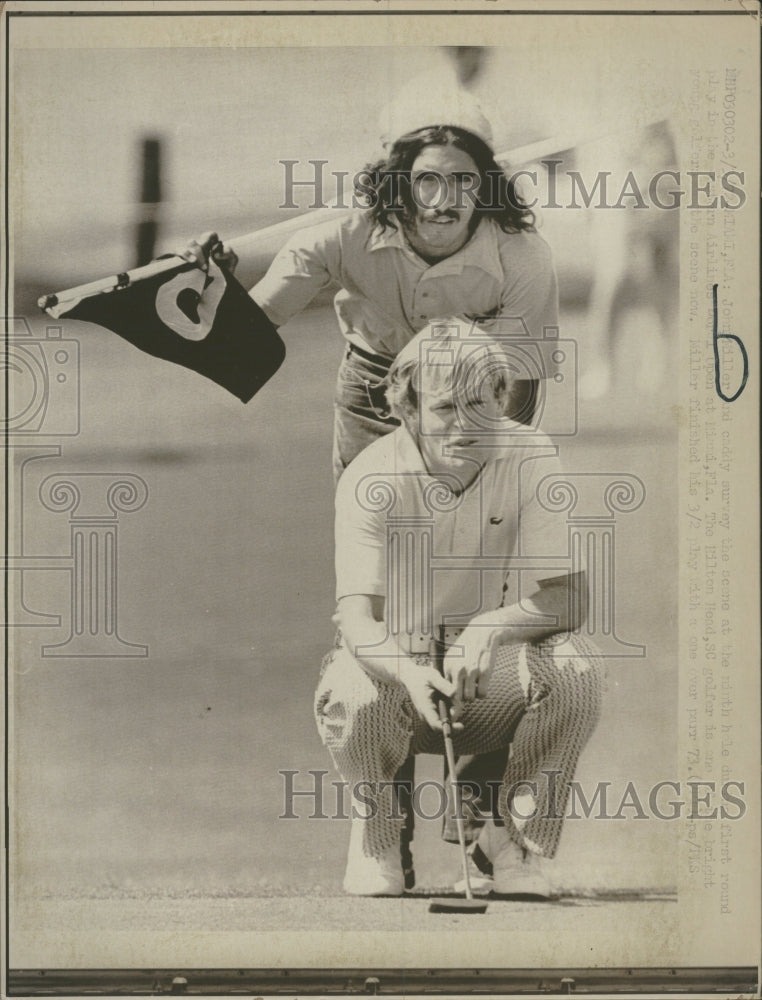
(463, 456)
(463, 463)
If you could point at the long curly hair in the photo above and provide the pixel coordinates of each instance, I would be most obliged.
(386, 186)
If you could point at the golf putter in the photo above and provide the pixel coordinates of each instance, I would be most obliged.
(454, 904)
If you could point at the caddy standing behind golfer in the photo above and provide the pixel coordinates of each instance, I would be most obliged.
(445, 233)
(458, 466)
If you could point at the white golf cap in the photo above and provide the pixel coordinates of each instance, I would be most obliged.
(420, 107)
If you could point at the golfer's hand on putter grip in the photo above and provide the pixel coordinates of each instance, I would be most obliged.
(426, 686)
(469, 663)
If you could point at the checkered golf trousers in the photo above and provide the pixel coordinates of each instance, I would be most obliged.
(544, 700)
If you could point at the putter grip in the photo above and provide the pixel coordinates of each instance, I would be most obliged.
(444, 713)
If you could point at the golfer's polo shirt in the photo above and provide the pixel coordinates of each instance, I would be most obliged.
(402, 535)
(388, 293)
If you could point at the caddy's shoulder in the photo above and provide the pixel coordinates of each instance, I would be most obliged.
(527, 244)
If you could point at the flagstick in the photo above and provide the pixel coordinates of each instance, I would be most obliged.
(523, 154)
(242, 243)
(112, 283)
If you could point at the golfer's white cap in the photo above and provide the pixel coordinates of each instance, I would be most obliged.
(418, 108)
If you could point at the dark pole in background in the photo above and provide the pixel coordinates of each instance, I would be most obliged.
(150, 199)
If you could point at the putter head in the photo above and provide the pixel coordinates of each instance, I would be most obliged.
(458, 905)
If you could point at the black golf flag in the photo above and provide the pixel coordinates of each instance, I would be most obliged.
(201, 319)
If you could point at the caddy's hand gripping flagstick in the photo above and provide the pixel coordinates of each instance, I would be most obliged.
(188, 309)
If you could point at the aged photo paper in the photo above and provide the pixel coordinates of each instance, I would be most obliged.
(169, 551)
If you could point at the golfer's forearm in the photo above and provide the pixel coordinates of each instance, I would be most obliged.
(562, 601)
(374, 649)
(518, 623)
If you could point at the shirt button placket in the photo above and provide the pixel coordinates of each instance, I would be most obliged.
(421, 311)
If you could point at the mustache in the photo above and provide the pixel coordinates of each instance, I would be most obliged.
(447, 213)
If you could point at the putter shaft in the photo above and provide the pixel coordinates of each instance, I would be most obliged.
(444, 715)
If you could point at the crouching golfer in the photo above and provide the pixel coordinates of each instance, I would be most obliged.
(438, 523)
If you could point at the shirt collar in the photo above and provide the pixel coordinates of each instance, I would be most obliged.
(481, 250)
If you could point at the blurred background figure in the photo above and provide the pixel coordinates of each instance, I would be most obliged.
(469, 61)
(632, 304)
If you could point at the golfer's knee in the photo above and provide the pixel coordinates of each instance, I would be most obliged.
(570, 674)
(346, 703)
(584, 672)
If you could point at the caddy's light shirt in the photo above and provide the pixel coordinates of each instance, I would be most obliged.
(388, 293)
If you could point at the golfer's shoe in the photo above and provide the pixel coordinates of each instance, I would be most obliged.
(516, 872)
(409, 878)
(479, 872)
(367, 875)
(406, 858)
